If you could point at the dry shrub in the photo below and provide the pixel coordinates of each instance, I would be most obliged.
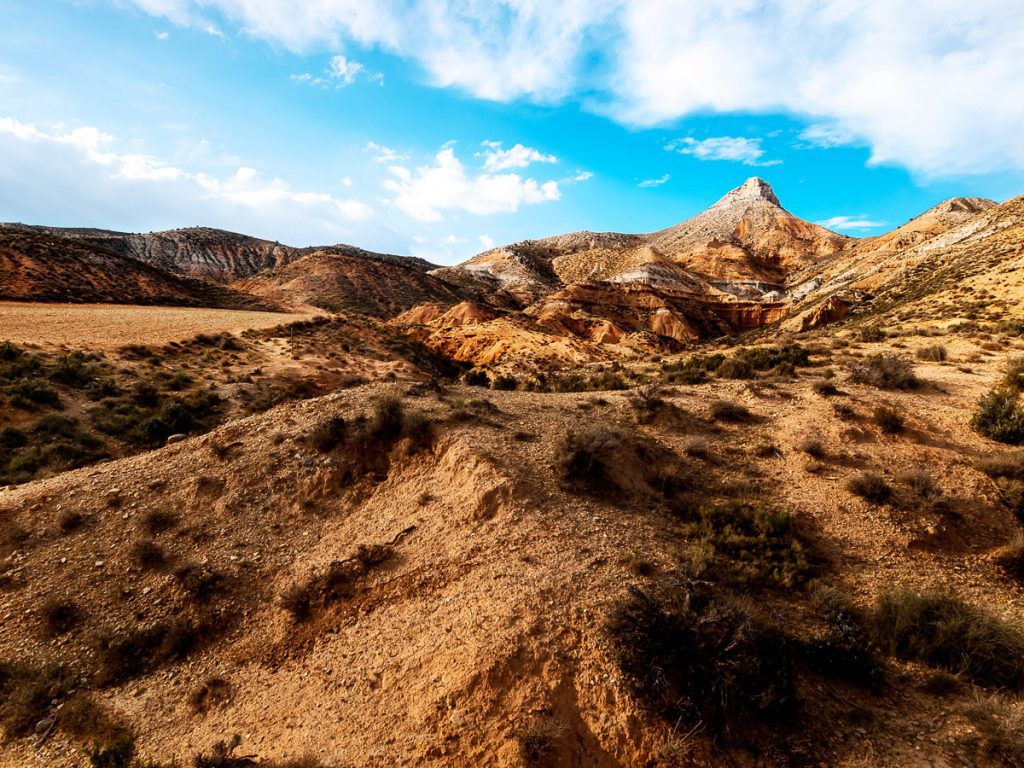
(888, 419)
(943, 631)
(934, 353)
(585, 459)
(538, 741)
(60, 616)
(871, 486)
(726, 410)
(999, 730)
(697, 655)
(26, 694)
(127, 653)
(884, 371)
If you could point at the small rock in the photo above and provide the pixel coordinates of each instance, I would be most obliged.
(98, 564)
(176, 438)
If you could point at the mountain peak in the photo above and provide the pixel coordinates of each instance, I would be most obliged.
(752, 190)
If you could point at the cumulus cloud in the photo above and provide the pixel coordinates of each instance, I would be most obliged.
(498, 159)
(937, 86)
(486, 242)
(445, 185)
(83, 175)
(733, 148)
(856, 223)
(655, 182)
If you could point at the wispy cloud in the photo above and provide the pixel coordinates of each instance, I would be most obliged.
(827, 136)
(655, 182)
(382, 154)
(340, 72)
(735, 149)
(87, 170)
(856, 223)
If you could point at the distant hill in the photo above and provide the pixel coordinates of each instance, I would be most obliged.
(342, 282)
(208, 254)
(35, 266)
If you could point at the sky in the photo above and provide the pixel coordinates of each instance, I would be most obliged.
(439, 129)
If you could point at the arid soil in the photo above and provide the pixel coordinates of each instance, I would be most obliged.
(109, 326)
(490, 615)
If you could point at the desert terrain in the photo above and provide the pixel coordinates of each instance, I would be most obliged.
(739, 492)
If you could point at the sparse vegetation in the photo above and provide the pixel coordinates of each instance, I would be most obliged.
(871, 486)
(934, 353)
(60, 616)
(329, 433)
(585, 459)
(884, 371)
(888, 419)
(1000, 416)
(945, 632)
(693, 654)
(726, 410)
(538, 741)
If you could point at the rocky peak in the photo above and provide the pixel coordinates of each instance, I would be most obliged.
(752, 190)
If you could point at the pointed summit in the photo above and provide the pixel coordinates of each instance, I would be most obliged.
(752, 190)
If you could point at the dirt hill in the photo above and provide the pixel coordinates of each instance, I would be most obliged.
(208, 254)
(444, 582)
(341, 282)
(39, 267)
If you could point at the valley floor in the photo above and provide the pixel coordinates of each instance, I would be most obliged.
(441, 595)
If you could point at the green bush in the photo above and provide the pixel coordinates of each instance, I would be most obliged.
(505, 383)
(1000, 416)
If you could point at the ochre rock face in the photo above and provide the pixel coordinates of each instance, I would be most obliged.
(832, 310)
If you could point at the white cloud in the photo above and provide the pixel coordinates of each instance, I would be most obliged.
(445, 185)
(519, 156)
(343, 70)
(486, 242)
(578, 177)
(827, 136)
(733, 148)
(346, 182)
(383, 154)
(162, 35)
(84, 176)
(340, 73)
(851, 223)
(936, 86)
(655, 182)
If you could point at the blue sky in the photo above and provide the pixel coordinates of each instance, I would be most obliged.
(431, 128)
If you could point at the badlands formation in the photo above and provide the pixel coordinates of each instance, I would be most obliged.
(740, 492)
